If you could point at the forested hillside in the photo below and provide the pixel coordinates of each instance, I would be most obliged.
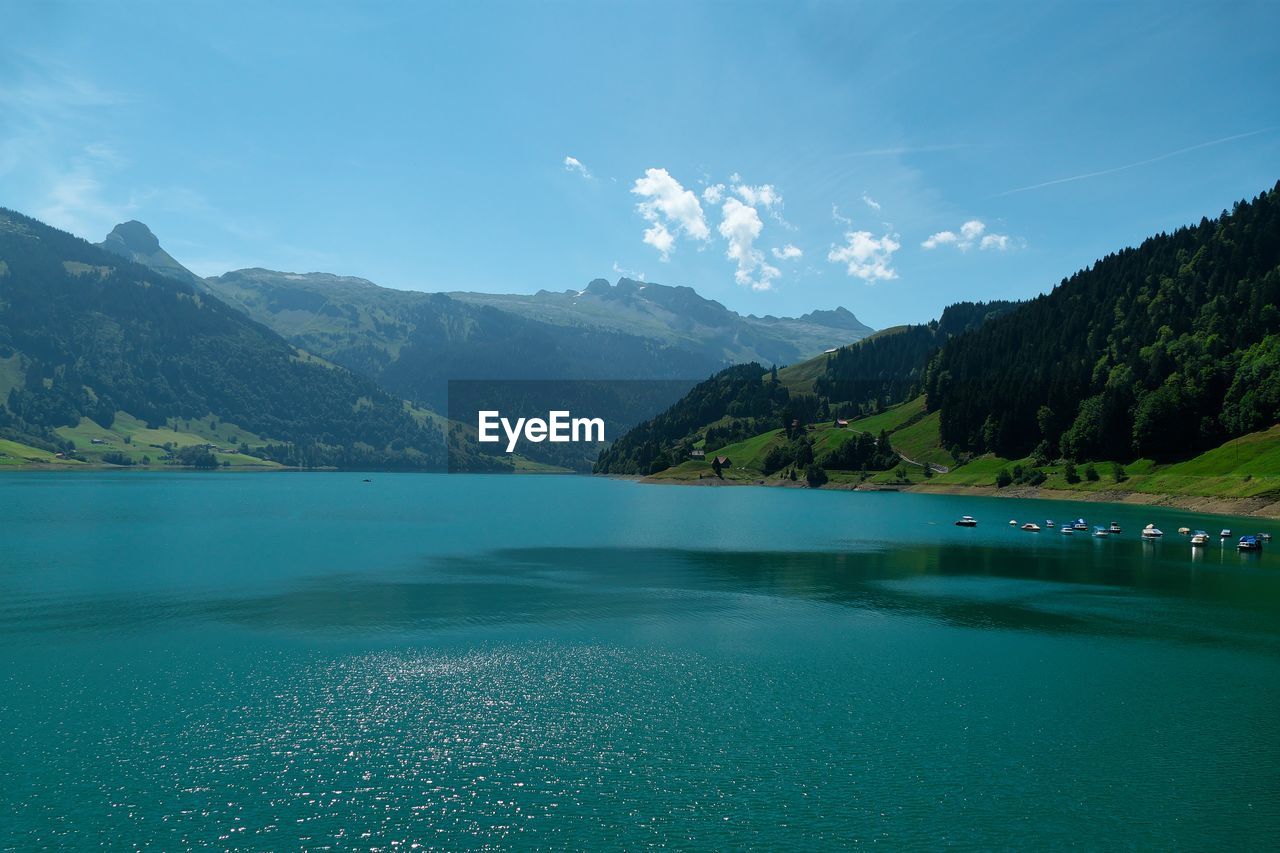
(890, 367)
(1160, 352)
(745, 401)
(734, 402)
(87, 333)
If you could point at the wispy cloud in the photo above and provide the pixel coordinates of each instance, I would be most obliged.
(1101, 172)
(789, 252)
(573, 164)
(618, 269)
(870, 202)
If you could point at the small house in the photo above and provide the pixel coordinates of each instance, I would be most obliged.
(841, 423)
(97, 441)
(724, 461)
(698, 454)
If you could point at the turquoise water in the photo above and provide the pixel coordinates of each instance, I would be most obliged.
(275, 661)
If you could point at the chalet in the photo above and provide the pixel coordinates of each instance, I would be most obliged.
(698, 454)
(97, 441)
(842, 423)
(724, 461)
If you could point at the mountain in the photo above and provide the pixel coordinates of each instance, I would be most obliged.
(87, 333)
(1159, 351)
(413, 343)
(134, 240)
(680, 317)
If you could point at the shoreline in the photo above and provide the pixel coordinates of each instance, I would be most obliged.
(1260, 507)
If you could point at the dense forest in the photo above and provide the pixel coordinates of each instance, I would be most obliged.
(1160, 351)
(890, 366)
(84, 332)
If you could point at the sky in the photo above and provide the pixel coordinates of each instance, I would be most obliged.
(777, 157)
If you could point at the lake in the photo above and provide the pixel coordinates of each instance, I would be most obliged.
(285, 660)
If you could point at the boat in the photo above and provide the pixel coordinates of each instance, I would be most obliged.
(1066, 529)
(966, 521)
(1199, 538)
(1013, 522)
(1114, 528)
(1101, 532)
(1048, 523)
(1031, 527)
(1249, 543)
(1080, 525)
(1266, 537)
(1152, 532)
(1226, 533)
(1184, 531)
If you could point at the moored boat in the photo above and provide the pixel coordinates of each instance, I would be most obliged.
(1185, 531)
(1067, 529)
(1101, 532)
(1080, 525)
(1199, 538)
(967, 521)
(1152, 532)
(1031, 527)
(1226, 533)
(1114, 528)
(1048, 523)
(1249, 543)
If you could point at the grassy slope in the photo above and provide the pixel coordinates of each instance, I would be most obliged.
(15, 455)
(1244, 468)
(147, 442)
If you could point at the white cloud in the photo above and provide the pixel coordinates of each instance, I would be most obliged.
(762, 196)
(971, 232)
(740, 225)
(713, 194)
(942, 238)
(573, 164)
(838, 218)
(866, 256)
(657, 236)
(788, 252)
(671, 209)
(870, 202)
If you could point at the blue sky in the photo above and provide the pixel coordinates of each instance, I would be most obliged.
(777, 157)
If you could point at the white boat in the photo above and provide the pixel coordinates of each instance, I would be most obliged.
(1250, 543)
(1048, 523)
(1013, 522)
(1080, 525)
(1226, 533)
(1152, 532)
(1101, 532)
(1185, 531)
(1199, 538)
(1031, 527)
(1114, 528)
(966, 521)
(1066, 530)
